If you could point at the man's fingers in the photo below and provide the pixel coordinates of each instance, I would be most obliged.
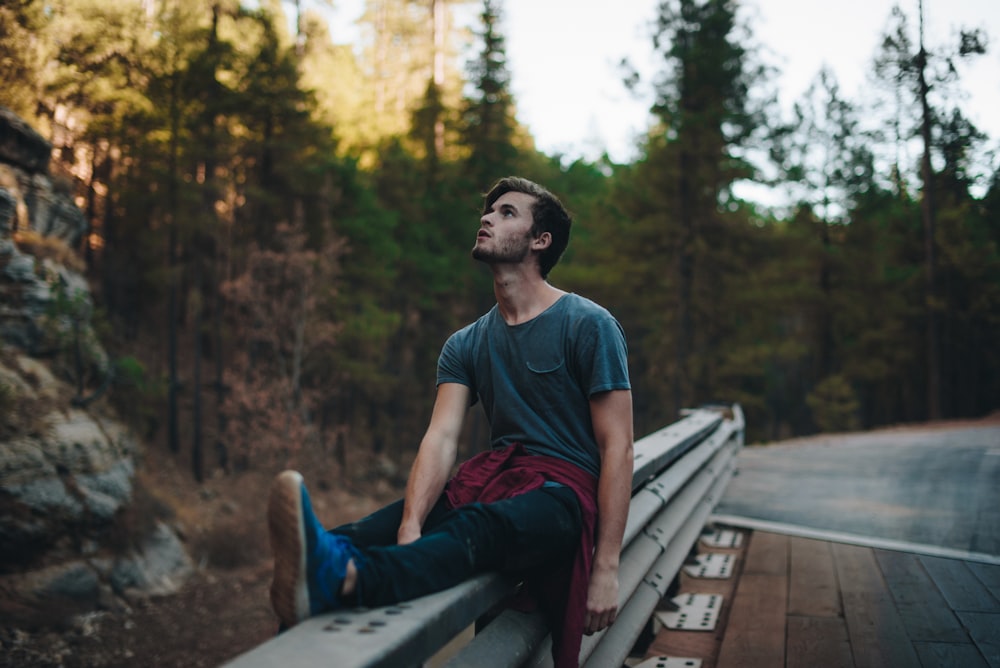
(594, 622)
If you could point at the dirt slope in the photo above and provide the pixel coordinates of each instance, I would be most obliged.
(219, 613)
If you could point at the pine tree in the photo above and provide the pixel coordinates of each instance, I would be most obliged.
(683, 186)
(23, 51)
(921, 80)
(825, 161)
(489, 120)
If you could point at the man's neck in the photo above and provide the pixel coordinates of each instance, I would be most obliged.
(521, 295)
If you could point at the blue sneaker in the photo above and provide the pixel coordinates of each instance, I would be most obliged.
(309, 563)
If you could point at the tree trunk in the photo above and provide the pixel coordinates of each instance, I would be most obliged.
(173, 390)
(687, 210)
(221, 452)
(927, 214)
(197, 464)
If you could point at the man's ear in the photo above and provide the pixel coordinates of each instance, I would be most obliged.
(542, 241)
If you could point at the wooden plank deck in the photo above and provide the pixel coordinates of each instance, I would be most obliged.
(804, 603)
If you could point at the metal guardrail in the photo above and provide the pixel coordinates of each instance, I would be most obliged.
(679, 475)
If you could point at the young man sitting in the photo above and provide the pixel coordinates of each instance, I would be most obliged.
(549, 500)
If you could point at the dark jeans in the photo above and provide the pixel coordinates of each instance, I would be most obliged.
(536, 529)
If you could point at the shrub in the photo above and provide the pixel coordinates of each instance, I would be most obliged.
(834, 404)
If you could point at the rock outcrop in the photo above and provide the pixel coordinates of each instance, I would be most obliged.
(43, 204)
(21, 146)
(28, 287)
(67, 474)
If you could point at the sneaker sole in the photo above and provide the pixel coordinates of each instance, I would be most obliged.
(289, 587)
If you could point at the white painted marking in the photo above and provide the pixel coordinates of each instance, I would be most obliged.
(714, 565)
(853, 539)
(722, 538)
(696, 612)
(667, 662)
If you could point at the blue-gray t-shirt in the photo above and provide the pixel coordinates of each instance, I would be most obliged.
(535, 379)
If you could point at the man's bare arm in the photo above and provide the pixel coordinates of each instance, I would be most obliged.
(611, 413)
(435, 459)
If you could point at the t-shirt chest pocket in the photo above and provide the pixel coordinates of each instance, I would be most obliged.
(543, 357)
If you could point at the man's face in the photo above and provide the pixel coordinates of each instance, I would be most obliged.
(505, 230)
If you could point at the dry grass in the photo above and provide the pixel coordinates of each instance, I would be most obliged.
(45, 247)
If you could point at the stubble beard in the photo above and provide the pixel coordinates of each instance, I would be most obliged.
(511, 251)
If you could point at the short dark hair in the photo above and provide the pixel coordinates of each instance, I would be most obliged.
(547, 215)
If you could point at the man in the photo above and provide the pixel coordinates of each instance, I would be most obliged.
(549, 500)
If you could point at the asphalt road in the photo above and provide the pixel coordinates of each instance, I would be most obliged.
(938, 486)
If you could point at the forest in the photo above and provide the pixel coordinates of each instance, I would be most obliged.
(280, 223)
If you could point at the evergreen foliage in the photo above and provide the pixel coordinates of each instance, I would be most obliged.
(281, 223)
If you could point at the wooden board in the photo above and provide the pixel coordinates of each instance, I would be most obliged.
(818, 641)
(755, 633)
(988, 574)
(875, 630)
(949, 654)
(898, 609)
(767, 554)
(924, 611)
(857, 571)
(812, 586)
(959, 585)
(984, 627)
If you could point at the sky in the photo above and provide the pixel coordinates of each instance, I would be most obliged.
(563, 56)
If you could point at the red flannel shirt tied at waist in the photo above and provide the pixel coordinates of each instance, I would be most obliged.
(505, 473)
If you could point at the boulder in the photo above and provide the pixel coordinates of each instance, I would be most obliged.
(71, 480)
(158, 566)
(63, 493)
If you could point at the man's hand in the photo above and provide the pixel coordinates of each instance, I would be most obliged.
(602, 600)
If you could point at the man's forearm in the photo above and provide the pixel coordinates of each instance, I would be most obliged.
(424, 486)
(612, 417)
(434, 460)
(614, 492)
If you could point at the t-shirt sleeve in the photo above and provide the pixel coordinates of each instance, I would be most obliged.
(603, 356)
(453, 362)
